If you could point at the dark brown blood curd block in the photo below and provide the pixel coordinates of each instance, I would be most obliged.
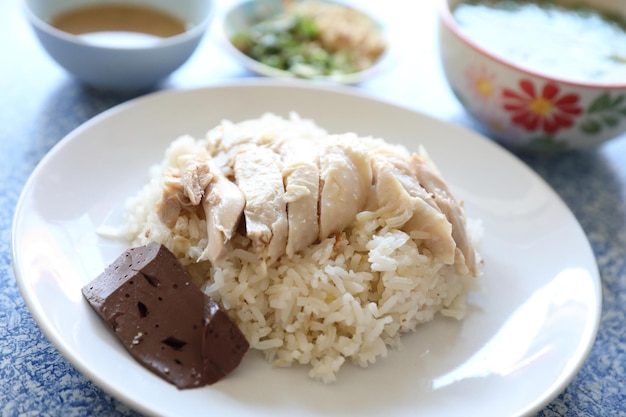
(167, 323)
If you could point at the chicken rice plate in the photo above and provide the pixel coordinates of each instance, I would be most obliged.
(323, 248)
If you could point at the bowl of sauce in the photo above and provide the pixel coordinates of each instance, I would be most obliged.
(119, 46)
(541, 75)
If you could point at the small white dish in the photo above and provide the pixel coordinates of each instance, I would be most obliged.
(114, 65)
(528, 331)
(238, 17)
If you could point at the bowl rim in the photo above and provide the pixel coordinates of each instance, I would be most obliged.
(445, 15)
(384, 62)
(196, 31)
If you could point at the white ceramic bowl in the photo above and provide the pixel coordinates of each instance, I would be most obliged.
(242, 14)
(113, 67)
(500, 93)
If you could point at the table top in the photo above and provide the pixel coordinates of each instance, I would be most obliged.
(40, 104)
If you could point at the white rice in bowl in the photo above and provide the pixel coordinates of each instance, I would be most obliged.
(348, 297)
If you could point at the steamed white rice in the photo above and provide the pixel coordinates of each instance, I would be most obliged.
(345, 299)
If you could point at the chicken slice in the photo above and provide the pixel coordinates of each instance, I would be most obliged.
(259, 176)
(223, 205)
(430, 178)
(182, 189)
(345, 180)
(301, 176)
(407, 206)
(194, 179)
(170, 205)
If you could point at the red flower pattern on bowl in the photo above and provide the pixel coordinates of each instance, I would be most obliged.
(541, 109)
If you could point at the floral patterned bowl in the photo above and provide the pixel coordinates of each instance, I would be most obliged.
(525, 109)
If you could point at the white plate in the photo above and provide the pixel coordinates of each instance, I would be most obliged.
(527, 333)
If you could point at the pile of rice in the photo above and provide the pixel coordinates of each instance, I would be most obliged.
(346, 298)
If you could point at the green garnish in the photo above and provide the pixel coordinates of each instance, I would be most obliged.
(292, 42)
(621, 59)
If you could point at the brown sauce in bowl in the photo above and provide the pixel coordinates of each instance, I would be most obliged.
(119, 24)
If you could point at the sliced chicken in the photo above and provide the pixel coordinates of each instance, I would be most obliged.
(194, 179)
(268, 131)
(170, 206)
(430, 178)
(406, 205)
(345, 180)
(259, 176)
(183, 189)
(295, 187)
(301, 176)
(223, 205)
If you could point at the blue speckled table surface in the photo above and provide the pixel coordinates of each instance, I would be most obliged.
(40, 104)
